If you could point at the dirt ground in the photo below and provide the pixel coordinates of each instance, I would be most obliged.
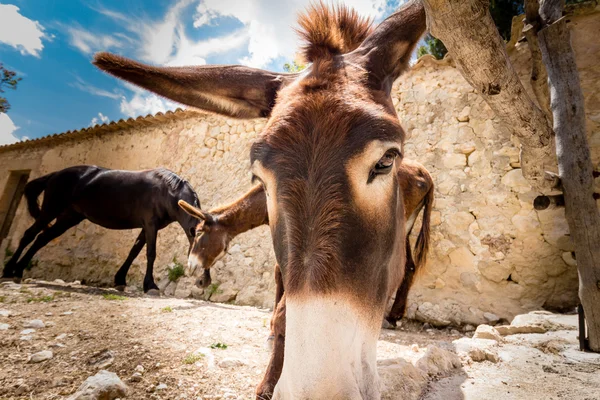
(191, 349)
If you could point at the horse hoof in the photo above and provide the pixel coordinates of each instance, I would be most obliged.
(153, 293)
(120, 288)
(269, 344)
(387, 325)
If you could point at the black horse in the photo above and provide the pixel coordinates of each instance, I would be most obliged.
(113, 199)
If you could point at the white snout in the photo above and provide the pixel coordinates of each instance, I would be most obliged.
(330, 351)
(194, 264)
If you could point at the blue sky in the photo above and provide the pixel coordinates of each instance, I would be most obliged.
(50, 44)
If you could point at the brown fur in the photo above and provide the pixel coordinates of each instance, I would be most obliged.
(419, 188)
(244, 213)
(250, 211)
(331, 31)
(219, 226)
(266, 386)
(315, 192)
(234, 90)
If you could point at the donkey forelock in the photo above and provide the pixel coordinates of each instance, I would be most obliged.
(331, 31)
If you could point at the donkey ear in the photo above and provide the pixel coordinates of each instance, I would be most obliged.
(193, 211)
(234, 91)
(385, 53)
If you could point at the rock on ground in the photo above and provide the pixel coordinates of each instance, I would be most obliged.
(437, 361)
(231, 363)
(487, 332)
(542, 320)
(104, 385)
(35, 324)
(477, 349)
(40, 356)
(401, 379)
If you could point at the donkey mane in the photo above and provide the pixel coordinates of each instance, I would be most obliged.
(175, 182)
(331, 30)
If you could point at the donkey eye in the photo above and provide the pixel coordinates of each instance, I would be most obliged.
(386, 162)
(384, 165)
(256, 179)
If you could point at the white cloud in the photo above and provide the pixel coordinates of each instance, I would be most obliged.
(143, 103)
(88, 42)
(192, 53)
(100, 119)
(270, 27)
(7, 129)
(159, 37)
(20, 32)
(164, 41)
(86, 87)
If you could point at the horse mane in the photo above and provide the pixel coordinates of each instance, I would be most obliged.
(175, 182)
(331, 30)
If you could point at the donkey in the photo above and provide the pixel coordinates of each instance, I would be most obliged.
(326, 159)
(113, 199)
(218, 227)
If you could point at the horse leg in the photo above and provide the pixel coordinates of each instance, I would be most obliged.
(149, 285)
(121, 275)
(399, 306)
(265, 388)
(278, 296)
(27, 238)
(62, 224)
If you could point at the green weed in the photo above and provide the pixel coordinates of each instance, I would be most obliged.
(110, 296)
(177, 271)
(193, 358)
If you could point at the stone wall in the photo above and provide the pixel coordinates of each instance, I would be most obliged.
(208, 151)
(492, 255)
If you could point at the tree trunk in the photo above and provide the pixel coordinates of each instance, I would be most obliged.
(574, 161)
(468, 31)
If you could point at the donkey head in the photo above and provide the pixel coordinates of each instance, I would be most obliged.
(208, 245)
(327, 159)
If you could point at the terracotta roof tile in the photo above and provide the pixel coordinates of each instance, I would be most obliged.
(102, 129)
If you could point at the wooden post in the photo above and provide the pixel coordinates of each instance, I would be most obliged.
(574, 161)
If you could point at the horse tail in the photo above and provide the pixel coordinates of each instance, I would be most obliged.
(33, 189)
(422, 244)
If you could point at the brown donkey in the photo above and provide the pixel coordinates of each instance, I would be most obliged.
(326, 160)
(219, 226)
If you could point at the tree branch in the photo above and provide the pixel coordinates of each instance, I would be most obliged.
(539, 76)
(468, 31)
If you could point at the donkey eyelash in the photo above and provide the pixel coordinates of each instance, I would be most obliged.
(395, 152)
